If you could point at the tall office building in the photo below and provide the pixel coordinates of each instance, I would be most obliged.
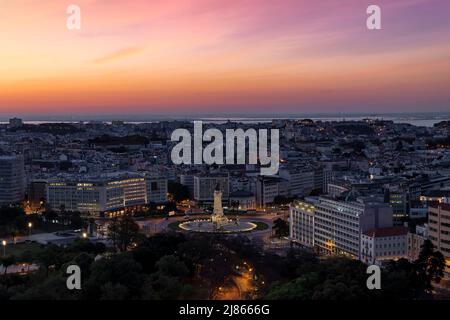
(12, 179)
(97, 195)
(301, 223)
(398, 200)
(439, 230)
(338, 225)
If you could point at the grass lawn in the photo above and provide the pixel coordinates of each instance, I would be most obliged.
(18, 249)
(260, 225)
(175, 225)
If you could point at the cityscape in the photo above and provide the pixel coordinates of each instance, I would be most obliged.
(237, 159)
(105, 196)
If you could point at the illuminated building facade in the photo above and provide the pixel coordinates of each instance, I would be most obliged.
(338, 225)
(439, 230)
(97, 196)
(301, 223)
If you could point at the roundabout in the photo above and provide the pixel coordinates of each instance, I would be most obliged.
(206, 225)
(218, 223)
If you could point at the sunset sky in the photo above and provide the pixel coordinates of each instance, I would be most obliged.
(295, 56)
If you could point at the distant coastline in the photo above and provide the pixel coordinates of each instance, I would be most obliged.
(416, 119)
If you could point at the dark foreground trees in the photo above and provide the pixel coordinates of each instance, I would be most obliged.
(123, 232)
(179, 266)
(338, 278)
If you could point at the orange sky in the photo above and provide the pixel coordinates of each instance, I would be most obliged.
(237, 55)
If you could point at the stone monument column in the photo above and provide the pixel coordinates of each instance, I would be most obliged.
(217, 217)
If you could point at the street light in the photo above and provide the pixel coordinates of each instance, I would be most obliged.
(30, 225)
(4, 247)
(84, 235)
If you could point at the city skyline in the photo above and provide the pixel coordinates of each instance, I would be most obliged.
(167, 57)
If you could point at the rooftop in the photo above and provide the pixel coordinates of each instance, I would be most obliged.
(386, 232)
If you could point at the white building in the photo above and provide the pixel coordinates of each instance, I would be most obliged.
(300, 180)
(301, 223)
(384, 244)
(439, 230)
(338, 225)
(268, 188)
(12, 179)
(97, 195)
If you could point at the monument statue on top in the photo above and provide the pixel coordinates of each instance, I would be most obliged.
(218, 223)
(218, 218)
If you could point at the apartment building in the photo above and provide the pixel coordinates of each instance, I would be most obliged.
(300, 179)
(381, 245)
(439, 230)
(12, 179)
(268, 188)
(105, 194)
(97, 195)
(338, 224)
(301, 223)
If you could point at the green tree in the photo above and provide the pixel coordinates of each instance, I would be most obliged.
(153, 248)
(123, 232)
(52, 288)
(400, 281)
(430, 265)
(113, 291)
(172, 266)
(13, 232)
(301, 288)
(117, 269)
(50, 256)
(299, 262)
(28, 256)
(168, 281)
(281, 228)
(7, 262)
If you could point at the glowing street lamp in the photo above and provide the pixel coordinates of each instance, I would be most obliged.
(84, 235)
(30, 225)
(4, 247)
